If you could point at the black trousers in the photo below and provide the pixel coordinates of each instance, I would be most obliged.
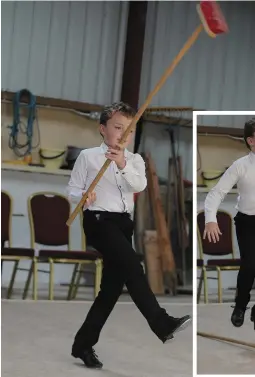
(245, 232)
(111, 234)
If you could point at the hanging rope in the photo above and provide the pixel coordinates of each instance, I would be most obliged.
(19, 127)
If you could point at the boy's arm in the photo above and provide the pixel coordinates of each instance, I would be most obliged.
(218, 192)
(76, 184)
(134, 174)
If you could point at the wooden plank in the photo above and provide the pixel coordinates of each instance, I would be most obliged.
(169, 195)
(169, 109)
(182, 205)
(201, 129)
(153, 262)
(165, 247)
(175, 121)
(140, 220)
(57, 102)
(183, 220)
(213, 130)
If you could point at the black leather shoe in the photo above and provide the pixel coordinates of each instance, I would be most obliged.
(90, 358)
(237, 317)
(253, 315)
(176, 324)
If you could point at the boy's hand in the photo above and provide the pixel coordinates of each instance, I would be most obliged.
(212, 231)
(91, 198)
(117, 155)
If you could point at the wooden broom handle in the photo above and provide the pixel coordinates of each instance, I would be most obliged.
(230, 340)
(138, 115)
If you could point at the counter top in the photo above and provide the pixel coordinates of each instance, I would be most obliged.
(34, 169)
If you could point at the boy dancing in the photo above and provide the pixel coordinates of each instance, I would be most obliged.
(108, 227)
(242, 173)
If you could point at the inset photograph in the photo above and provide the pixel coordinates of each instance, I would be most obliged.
(225, 243)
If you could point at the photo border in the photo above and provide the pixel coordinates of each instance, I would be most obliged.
(194, 248)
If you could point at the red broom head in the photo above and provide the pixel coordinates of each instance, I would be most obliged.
(212, 18)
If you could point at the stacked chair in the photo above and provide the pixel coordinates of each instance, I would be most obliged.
(8, 252)
(48, 213)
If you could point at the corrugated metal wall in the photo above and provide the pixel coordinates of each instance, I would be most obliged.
(216, 74)
(72, 50)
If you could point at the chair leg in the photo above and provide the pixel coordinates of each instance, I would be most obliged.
(200, 286)
(29, 277)
(51, 280)
(14, 272)
(77, 283)
(71, 286)
(35, 279)
(219, 285)
(98, 276)
(206, 301)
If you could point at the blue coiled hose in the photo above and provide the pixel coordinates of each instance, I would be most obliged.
(19, 127)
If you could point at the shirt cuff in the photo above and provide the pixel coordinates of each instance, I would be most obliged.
(210, 217)
(128, 169)
(74, 196)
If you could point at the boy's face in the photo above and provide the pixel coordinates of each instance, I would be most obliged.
(251, 142)
(115, 128)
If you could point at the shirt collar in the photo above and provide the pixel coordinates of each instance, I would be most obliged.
(105, 148)
(252, 156)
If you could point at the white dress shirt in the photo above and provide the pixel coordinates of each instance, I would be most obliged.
(115, 190)
(242, 173)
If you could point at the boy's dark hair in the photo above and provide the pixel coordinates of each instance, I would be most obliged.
(249, 130)
(119, 107)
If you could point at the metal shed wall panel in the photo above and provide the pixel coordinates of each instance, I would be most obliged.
(235, 121)
(215, 74)
(70, 50)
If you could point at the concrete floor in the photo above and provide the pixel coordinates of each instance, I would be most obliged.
(37, 338)
(217, 357)
(83, 294)
(228, 296)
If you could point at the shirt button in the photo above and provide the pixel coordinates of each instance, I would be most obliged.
(117, 172)
(123, 173)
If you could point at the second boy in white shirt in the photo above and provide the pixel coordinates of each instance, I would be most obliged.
(242, 173)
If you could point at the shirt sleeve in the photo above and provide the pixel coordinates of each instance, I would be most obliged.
(219, 191)
(134, 174)
(76, 185)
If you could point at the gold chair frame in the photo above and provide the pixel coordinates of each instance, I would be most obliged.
(202, 279)
(16, 259)
(77, 262)
(218, 269)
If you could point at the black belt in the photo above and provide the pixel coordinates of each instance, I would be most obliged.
(108, 214)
